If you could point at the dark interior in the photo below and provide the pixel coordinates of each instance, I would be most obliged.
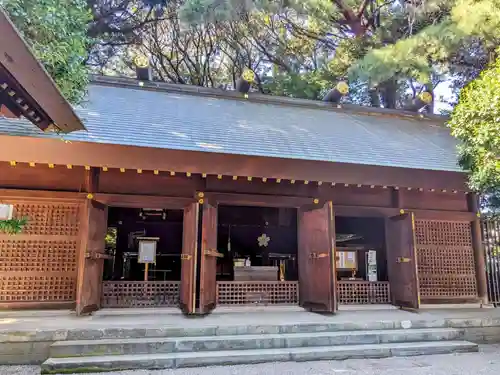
(239, 228)
(125, 225)
(369, 234)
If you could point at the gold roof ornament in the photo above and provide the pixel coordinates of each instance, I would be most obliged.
(248, 75)
(141, 61)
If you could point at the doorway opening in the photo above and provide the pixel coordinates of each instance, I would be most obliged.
(361, 263)
(260, 258)
(144, 248)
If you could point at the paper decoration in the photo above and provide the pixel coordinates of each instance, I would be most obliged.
(6, 211)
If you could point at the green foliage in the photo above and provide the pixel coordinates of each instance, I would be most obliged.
(12, 226)
(475, 121)
(56, 30)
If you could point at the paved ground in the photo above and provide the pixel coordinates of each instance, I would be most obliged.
(135, 318)
(486, 362)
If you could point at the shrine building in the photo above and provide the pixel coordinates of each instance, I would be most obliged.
(194, 198)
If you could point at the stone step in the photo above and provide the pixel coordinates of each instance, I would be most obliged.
(199, 328)
(236, 357)
(246, 342)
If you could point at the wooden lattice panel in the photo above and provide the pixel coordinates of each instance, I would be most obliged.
(443, 233)
(37, 255)
(49, 219)
(140, 294)
(28, 288)
(445, 260)
(363, 292)
(40, 264)
(266, 293)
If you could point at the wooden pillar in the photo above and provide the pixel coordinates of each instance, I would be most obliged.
(92, 248)
(477, 245)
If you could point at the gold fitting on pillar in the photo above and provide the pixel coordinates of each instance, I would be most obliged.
(315, 200)
(90, 196)
(201, 200)
(51, 165)
(204, 175)
(13, 163)
(122, 170)
(401, 211)
(201, 194)
(156, 172)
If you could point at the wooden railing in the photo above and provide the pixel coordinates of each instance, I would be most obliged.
(257, 292)
(363, 292)
(140, 293)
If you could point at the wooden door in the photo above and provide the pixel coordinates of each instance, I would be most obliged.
(92, 255)
(402, 260)
(316, 256)
(209, 255)
(188, 258)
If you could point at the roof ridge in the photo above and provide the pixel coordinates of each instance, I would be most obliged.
(255, 97)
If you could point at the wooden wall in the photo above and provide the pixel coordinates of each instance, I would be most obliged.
(39, 266)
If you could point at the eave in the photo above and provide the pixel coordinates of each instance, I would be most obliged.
(26, 88)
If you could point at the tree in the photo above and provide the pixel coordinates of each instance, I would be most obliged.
(475, 121)
(446, 39)
(56, 30)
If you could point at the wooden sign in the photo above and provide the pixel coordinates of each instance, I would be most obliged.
(147, 249)
(6, 211)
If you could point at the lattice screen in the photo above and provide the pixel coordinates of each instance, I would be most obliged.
(445, 260)
(140, 293)
(260, 293)
(363, 292)
(40, 265)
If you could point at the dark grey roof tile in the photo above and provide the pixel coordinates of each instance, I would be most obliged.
(138, 117)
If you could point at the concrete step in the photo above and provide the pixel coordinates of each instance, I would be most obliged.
(235, 357)
(109, 347)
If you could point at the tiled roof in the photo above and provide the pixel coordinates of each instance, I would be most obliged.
(180, 121)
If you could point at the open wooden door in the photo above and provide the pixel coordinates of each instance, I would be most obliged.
(188, 258)
(316, 258)
(402, 260)
(92, 255)
(209, 255)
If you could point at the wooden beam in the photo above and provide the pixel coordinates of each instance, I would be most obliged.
(63, 305)
(142, 201)
(49, 196)
(363, 211)
(26, 149)
(257, 200)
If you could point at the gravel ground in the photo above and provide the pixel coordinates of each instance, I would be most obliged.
(486, 362)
